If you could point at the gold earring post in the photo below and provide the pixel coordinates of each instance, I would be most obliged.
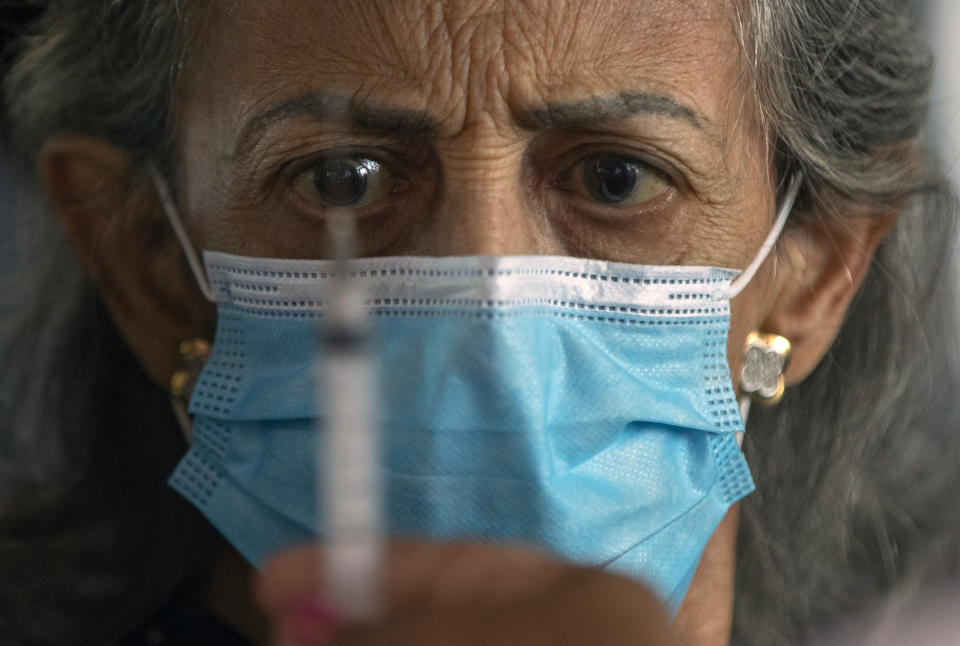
(193, 356)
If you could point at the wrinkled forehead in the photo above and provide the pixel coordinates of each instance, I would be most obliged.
(465, 60)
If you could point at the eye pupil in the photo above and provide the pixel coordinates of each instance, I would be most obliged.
(610, 179)
(341, 182)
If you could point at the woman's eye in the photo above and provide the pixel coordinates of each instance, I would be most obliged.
(617, 180)
(348, 181)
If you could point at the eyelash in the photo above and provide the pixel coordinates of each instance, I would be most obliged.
(631, 158)
(569, 161)
(650, 159)
(299, 168)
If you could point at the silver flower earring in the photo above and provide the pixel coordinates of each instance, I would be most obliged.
(765, 359)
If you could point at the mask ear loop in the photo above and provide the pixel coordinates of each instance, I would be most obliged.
(744, 403)
(741, 281)
(170, 208)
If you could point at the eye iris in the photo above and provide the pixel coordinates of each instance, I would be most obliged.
(341, 182)
(610, 179)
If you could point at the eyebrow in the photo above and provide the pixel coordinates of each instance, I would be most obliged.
(598, 109)
(335, 107)
(398, 121)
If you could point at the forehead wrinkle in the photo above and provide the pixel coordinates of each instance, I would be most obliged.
(579, 36)
(632, 49)
(652, 48)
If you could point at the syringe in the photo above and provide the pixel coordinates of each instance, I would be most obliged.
(348, 448)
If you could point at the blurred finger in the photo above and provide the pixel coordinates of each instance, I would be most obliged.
(595, 609)
(466, 594)
(417, 573)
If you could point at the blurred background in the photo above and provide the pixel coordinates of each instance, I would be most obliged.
(13, 15)
(942, 21)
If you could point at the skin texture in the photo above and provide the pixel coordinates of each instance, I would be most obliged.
(482, 169)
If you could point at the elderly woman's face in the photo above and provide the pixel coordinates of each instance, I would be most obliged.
(611, 130)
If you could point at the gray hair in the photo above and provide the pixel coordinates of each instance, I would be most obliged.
(855, 495)
(92, 541)
(857, 468)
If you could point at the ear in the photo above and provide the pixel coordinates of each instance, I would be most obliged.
(820, 268)
(112, 216)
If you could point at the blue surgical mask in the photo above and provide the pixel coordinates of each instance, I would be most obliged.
(580, 406)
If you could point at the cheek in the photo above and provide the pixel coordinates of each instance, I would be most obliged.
(740, 326)
(202, 184)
